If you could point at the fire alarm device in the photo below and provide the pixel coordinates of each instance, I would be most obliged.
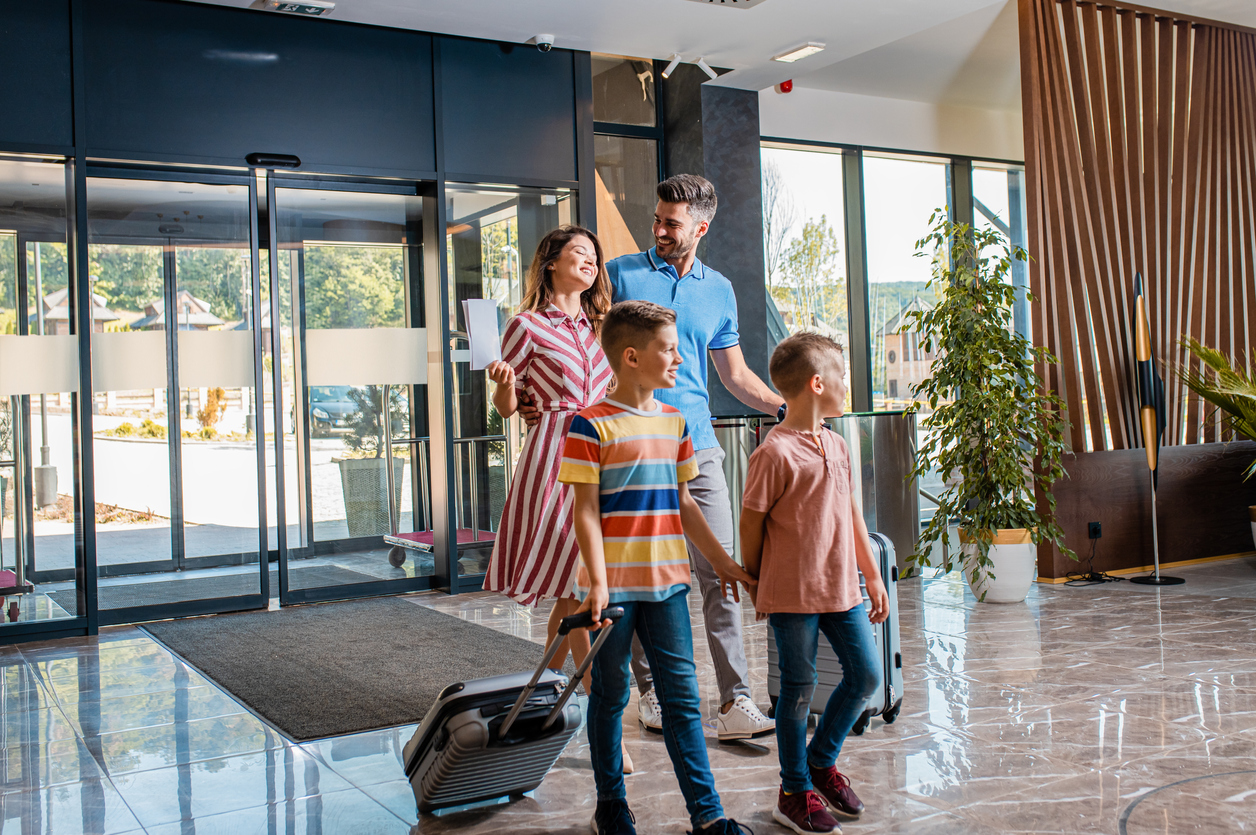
(785, 86)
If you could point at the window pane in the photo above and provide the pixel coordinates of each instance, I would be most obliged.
(998, 202)
(623, 90)
(490, 240)
(627, 175)
(899, 196)
(804, 243)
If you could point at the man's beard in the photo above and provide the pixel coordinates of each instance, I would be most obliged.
(680, 248)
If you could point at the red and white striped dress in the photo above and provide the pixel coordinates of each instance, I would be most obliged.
(559, 363)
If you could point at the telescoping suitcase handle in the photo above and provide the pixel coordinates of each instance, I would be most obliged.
(566, 625)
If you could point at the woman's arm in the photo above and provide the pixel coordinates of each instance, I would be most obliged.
(505, 398)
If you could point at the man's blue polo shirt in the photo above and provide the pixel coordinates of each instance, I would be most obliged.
(706, 317)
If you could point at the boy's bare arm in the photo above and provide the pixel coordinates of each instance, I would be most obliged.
(697, 529)
(751, 528)
(587, 520)
(878, 598)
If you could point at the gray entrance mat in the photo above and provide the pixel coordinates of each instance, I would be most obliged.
(167, 588)
(337, 668)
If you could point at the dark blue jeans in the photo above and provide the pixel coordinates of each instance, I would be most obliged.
(797, 640)
(667, 638)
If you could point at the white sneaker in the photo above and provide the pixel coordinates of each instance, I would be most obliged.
(743, 721)
(649, 714)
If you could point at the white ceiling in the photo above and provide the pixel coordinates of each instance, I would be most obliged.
(947, 51)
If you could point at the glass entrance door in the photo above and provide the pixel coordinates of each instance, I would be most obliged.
(353, 358)
(175, 360)
(38, 397)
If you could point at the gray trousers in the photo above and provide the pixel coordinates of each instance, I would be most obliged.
(722, 615)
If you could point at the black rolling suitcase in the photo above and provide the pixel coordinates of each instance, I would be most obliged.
(497, 736)
(889, 700)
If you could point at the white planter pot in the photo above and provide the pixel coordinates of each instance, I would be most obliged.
(365, 485)
(1015, 559)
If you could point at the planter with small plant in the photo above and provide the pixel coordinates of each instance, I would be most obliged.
(994, 433)
(1231, 390)
(363, 479)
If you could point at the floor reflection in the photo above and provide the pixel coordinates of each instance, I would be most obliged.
(1081, 710)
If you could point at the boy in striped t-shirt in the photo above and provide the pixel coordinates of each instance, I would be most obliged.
(627, 459)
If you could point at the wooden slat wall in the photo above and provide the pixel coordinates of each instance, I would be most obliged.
(1140, 150)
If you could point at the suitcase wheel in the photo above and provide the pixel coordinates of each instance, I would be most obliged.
(772, 707)
(890, 715)
(861, 724)
(397, 556)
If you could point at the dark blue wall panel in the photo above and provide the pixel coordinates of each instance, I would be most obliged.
(36, 106)
(204, 83)
(508, 110)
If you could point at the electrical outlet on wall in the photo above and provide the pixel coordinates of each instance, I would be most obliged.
(1095, 529)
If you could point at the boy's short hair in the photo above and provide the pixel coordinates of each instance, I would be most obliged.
(632, 324)
(693, 190)
(800, 357)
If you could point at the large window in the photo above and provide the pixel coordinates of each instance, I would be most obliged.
(810, 243)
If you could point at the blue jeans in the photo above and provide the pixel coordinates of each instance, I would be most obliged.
(667, 637)
(797, 639)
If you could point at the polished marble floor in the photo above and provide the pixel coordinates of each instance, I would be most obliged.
(1105, 709)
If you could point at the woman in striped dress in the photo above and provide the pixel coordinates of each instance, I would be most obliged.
(550, 353)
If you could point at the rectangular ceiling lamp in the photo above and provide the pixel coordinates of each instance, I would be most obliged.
(798, 53)
(730, 4)
(314, 8)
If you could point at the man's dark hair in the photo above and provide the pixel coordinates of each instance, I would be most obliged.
(696, 191)
(632, 324)
(800, 357)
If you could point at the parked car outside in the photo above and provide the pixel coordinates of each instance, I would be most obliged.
(330, 408)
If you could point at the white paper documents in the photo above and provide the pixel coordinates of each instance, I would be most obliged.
(482, 333)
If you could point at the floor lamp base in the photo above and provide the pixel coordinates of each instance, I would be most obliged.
(1153, 580)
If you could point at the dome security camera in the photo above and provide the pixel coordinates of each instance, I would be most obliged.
(544, 42)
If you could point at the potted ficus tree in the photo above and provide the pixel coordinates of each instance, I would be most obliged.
(363, 479)
(993, 433)
(1231, 390)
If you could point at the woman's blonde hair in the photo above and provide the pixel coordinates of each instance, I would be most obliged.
(595, 301)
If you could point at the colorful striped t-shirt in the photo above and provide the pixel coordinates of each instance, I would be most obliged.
(640, 459)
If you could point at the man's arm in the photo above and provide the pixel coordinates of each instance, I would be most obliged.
(696, 528)
(587, 520)
(743, 383)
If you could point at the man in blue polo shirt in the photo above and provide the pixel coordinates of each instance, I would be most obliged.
(671, 275)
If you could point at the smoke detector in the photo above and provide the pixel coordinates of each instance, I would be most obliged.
(730, 4)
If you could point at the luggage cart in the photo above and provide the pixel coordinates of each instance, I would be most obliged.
(423, 542)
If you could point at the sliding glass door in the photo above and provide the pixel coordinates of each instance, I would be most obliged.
(352, 349)
(177, 458)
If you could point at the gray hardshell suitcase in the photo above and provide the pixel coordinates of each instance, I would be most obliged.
(889, 701)
(497, 736)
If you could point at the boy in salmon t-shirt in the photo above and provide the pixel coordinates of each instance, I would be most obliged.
(804, 537)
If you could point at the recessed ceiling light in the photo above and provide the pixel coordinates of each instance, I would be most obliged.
(799, 53)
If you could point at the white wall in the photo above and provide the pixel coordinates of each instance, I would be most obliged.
(825, 116)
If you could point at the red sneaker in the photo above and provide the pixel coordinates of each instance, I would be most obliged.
(835, 788)
(806, 813)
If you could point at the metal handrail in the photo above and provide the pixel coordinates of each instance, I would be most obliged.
(946, 552)
(422, 442)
